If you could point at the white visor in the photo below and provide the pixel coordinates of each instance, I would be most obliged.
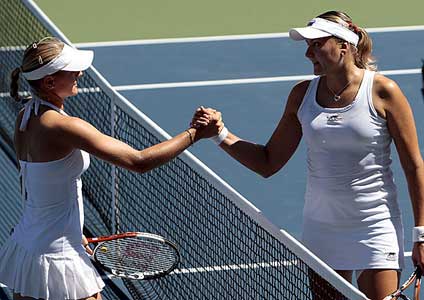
(319, 28)
(70, 59)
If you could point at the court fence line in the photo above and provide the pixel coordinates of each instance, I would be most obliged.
(220, 38)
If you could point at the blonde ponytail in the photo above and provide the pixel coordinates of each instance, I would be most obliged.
(36, 55)
(363, 57)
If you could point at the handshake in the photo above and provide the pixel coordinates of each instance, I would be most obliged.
(208, 124)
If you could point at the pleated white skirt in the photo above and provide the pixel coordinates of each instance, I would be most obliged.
(48, 276)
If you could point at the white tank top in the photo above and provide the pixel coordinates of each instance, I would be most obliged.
(348, 159)
(53, 216)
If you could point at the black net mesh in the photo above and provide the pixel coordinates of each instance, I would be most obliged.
(225, 253)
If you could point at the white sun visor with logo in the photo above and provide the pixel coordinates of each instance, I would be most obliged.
(319, 28)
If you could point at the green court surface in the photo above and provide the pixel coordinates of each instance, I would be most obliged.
(107, 20)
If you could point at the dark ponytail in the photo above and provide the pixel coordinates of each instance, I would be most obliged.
(14, 85)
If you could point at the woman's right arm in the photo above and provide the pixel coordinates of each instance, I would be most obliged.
(270, 158)
(76, 133)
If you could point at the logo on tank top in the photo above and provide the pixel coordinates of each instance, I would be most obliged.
(334, 119)
(391, 256)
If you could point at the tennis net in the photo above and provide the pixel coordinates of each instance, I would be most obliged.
(229, 250)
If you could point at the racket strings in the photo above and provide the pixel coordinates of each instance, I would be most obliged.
(135, 255)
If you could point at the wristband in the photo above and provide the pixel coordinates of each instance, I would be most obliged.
(418, 234)
(218, 139)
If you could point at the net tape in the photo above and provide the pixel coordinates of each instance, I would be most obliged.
(226, 251)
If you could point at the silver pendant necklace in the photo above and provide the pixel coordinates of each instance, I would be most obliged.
(337, 96)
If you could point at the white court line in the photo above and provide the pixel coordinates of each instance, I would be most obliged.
(226, 37)
(151, 86)
(273, 264)
(80, 90)
(213, 38)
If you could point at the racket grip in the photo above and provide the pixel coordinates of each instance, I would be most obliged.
(417, 289)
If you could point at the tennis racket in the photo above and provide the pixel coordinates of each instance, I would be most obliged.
(398, 294)
(135, 255)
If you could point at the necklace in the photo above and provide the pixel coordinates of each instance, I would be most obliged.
(336, 96)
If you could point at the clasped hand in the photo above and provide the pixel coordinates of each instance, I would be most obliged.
(207, 121)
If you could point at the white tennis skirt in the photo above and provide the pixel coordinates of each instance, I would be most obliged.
(367, 245)
(48, 276)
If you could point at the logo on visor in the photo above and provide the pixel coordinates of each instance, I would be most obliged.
(311, 22)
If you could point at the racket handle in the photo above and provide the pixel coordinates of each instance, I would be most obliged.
(417, 289)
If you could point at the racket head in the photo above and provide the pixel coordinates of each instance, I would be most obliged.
(136, 255)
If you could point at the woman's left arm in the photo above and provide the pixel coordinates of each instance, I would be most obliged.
(400, 121)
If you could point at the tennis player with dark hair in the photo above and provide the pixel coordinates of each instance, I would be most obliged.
(349, 115)
(44, 258)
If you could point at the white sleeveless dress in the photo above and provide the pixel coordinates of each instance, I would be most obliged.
(352, 219)
(44, 257)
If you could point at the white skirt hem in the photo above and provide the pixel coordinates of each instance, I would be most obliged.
(48, 276)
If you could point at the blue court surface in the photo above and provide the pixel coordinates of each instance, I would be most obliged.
(248, 80)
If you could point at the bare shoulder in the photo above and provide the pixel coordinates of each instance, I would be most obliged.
(300, 88)
(296, 95)
(52, 120)
(386, 88)
(387, 96)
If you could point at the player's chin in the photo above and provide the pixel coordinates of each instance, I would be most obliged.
(74, 90)
(318, 70)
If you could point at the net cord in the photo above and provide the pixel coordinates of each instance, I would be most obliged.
(290, 242)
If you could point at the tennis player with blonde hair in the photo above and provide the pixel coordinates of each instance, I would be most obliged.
(349, 115)
(44, 258)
